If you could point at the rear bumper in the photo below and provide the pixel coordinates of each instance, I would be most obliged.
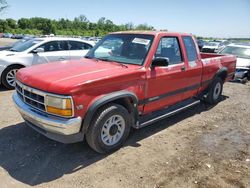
(59, 129)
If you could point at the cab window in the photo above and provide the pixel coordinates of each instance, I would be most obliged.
(169, 48)
(190, 48)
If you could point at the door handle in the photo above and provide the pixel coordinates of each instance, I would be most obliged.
(183, 68)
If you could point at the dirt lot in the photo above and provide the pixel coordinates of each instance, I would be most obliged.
(6, 41)
(206, 146)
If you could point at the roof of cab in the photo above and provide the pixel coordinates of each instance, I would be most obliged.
(151, 32)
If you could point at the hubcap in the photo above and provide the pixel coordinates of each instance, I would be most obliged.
(11, 77)
(217, 91)
(113, 130)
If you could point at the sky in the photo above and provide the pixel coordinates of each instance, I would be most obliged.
(207, 18)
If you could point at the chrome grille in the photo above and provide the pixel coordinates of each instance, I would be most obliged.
(30, 96)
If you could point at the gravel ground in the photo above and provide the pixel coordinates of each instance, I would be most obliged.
(6, 41)
(206, 146)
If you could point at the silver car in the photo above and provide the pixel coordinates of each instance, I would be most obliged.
(242, 51)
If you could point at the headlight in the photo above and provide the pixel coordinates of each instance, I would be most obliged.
(59, 106)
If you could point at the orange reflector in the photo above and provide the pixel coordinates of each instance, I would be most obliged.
(61, 112)
(68, 104)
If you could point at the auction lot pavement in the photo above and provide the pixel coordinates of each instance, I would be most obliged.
(206, 146)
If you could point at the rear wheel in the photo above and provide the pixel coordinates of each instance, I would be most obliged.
(109, 128)
(9, 76)
(215, 91)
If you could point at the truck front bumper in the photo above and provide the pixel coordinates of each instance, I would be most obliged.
(56, 128)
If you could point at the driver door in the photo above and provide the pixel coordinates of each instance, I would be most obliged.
(166, 83)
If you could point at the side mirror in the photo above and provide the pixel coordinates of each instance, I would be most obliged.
(38, 50)
(160, 62)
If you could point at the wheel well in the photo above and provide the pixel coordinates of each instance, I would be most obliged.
(127, 102)
(12, 65)
(222, 75)
(17, 65)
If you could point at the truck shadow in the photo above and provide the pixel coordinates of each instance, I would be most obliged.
(33, 159)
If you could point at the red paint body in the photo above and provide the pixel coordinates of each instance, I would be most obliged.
(86, 80)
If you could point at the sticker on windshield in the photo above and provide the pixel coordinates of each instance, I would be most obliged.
(141, 41)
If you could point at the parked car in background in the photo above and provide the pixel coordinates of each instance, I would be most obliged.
(129, 79)
(223, 44)
(210, 47)
(7, 35)
(38, 51)
(17, 36)
(242, 51)
(19, 42)
(200, 43)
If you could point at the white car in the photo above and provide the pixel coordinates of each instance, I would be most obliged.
(210, 47)
(242, 51)
(37, 51)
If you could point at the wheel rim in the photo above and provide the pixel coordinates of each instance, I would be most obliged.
(217, 91)
(113, 130)
(11, 77)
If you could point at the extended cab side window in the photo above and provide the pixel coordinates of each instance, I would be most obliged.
(190, 48)
(169, 48)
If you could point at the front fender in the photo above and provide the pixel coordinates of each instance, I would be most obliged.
(107, 99)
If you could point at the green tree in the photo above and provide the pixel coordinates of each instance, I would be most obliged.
(3, 25)
(79, 26)
(24, 23)
(144, 27)
(11, 23)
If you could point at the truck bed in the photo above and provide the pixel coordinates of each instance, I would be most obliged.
(211, 60)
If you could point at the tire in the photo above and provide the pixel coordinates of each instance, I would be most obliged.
(109, 128)
(214, 92)
(244, 80)
(8, 76)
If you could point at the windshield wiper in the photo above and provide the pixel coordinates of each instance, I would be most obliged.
(112, 61)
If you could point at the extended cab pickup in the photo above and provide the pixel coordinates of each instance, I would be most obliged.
(129, 79)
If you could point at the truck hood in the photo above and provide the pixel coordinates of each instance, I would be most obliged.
(243, 63)
(68, 76)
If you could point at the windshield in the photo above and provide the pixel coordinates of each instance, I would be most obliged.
(26, 45)
(122, 48)
(240, 52)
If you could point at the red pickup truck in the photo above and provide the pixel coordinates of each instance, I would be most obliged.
(129, 79)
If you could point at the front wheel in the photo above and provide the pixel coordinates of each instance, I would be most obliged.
(9, 76)
(109, 128)
(214, 92)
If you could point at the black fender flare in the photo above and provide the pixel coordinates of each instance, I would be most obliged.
(221, 71)
(107, 99)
